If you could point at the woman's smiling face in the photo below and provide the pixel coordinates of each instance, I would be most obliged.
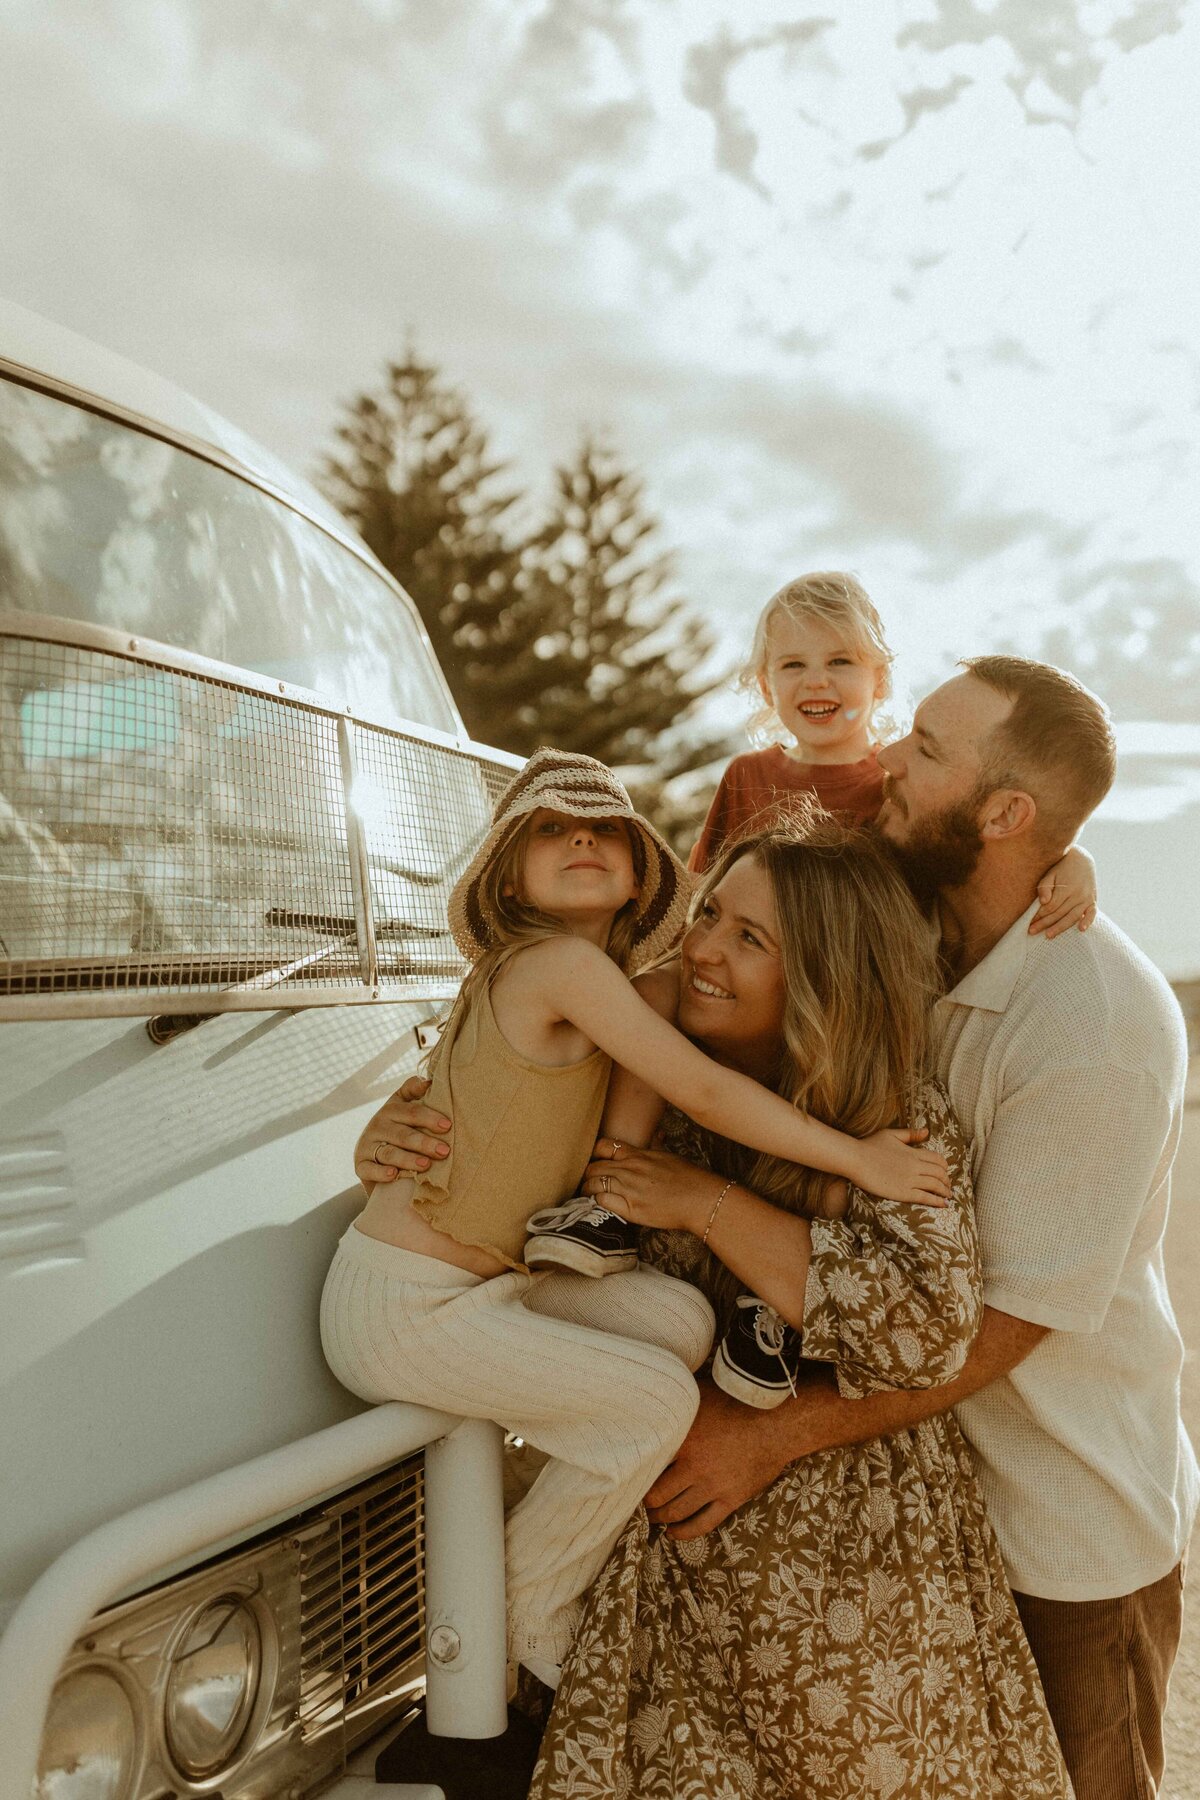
(732, 990)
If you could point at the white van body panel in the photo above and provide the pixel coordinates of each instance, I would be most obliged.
(168, 1210)
(169, 1214)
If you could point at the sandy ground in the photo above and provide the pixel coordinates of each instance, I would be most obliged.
(1182, 1781)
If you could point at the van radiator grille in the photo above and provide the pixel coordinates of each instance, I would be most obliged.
(362, 1599)
(176, 839)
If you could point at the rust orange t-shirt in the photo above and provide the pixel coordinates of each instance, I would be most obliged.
(757, 787)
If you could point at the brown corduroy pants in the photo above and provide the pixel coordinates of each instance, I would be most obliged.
(1105, 1665)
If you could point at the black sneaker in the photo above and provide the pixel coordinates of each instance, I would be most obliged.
(758, 1358)
(583, 1236)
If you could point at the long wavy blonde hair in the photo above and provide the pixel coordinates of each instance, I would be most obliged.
(859, 974)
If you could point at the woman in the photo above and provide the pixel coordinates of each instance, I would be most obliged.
(850, 1631)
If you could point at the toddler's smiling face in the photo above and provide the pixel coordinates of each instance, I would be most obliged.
(822, 688)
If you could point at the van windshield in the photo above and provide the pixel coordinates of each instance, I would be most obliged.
(101, 523)
(166, 830)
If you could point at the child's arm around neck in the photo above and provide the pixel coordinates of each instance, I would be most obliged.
(564, 991)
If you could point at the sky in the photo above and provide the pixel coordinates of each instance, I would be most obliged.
(911, 289)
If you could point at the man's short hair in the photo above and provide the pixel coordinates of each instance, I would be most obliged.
(1057, 742)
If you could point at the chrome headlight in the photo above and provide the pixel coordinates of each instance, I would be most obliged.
(254, 1673)
(213, 1683)
(89, 1745)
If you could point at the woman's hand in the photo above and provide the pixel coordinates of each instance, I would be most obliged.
(651, 1187)
(1067, 893)
(892, 1164)
(397, 1140)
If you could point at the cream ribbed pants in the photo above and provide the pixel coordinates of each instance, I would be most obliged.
(596, 1373)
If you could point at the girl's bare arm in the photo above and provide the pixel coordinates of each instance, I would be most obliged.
(633, 1108)
(579, 983)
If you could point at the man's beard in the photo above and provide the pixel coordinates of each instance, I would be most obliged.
(940, 852)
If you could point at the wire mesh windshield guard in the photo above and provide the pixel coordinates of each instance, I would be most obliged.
(179, 836)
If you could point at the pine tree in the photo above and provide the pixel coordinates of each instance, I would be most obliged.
(412, 469)
(613, 656)
(569, 637)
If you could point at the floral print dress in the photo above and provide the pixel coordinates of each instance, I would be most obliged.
(850, 1632)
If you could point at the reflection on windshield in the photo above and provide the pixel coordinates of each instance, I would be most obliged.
(103, 524)
(160, 829)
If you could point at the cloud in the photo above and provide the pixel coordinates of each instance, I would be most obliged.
(705, 85)
(881, 474)
(799, 342)
(562, 94)
(267, 283)
(532, 138)
(561, 30)
(707, 72)
(646, 221)
(1001, 351)
(1057, 57)
(914, 105)
(1011, 353)
(264, 204)
(1150, 19)
(947, 190)
(855, 472)
(1133, 631)
(837, 206)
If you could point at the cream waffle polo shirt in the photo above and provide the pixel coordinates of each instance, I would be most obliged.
(1066, 1063)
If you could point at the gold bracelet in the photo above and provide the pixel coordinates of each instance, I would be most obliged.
(716, 1209)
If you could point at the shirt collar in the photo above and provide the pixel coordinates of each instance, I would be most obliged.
(989, 985)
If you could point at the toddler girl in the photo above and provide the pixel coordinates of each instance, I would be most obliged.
(429, 1298)
(821, 667)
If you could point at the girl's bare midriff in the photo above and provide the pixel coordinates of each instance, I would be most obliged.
(388, 1216)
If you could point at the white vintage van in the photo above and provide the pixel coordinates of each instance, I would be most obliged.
(234, 792)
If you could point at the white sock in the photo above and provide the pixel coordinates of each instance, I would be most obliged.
(548, 1673)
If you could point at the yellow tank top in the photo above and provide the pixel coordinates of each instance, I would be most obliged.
(522, 1132)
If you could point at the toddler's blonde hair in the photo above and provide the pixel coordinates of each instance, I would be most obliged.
(830, 597)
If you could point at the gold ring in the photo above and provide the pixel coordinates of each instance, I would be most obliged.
(604, 1184)
(617, 1146)
(375, 1153)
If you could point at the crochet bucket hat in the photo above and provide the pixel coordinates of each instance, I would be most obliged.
(582, 787)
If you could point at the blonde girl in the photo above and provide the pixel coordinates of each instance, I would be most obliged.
(429, 1298)
(820, 669)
